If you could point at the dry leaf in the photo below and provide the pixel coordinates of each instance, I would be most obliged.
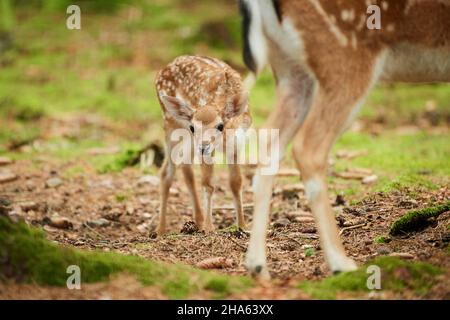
(7, 176)
(370, 179)
(215, 263)
(350, 154)
(287, 172)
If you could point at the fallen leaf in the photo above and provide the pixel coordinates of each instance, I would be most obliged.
(370, 179)
(53, 182)
(350, 154)
(60, 223)
(5, 161)
(215, 263)
(288, 172)
(149, 179)
(7, 176)
(402, 255)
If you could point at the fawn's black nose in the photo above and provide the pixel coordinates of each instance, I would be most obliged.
(205, 149)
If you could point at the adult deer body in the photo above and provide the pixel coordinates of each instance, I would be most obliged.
(204, 97)
(326, 60)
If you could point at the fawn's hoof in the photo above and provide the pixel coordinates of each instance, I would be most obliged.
(208, 227)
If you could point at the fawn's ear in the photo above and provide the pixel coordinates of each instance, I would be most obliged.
(236, 106)
(177, 108)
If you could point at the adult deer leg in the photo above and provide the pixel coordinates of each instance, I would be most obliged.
(295, 94)
(327, 119)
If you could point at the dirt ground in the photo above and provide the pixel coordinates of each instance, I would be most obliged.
(128, 205)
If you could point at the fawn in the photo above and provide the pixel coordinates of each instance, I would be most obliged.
(205, 97)
(326, 59)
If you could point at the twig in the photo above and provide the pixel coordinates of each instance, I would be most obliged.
(237, 243)
(351, 227)
(244, 206)
(294, 240)
(91, 229)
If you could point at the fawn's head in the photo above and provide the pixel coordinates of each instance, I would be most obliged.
(201, 95)
(206, 123)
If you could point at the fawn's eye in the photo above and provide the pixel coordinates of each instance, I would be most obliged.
(220, 127)
(191, 127)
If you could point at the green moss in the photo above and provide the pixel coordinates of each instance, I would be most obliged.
(417, 219)
(128, 157)
(120, 197)
(381, 239)
(220, 286)
(417, 160)
(417, 276)
(309, 252)
(26, 254)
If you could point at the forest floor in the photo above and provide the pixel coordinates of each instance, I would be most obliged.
(75, 104)
(118, 212)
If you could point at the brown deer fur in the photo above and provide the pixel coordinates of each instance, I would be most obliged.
(326, 60)
(196, 94)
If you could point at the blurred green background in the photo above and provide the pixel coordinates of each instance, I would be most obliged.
(63, 92)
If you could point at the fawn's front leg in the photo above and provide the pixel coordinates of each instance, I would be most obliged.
(236, 189)
(190, 183)
(167, 174)
(207, 192)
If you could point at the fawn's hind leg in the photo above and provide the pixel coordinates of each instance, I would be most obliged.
(236, 189)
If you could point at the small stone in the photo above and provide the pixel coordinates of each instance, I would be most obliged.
(288, 172)
(113, 215)
(307, 246)
(5, 161)
(7, 176)
(149, 179)
(29, 205)
(402, 255)
(174, 192)
(370, 179)
(142, 228)
(15, 216)
(384, 250)
(99, 223)
(298, 214)
(60, 222)
(281, 223)
(304, 219)
(53, 182)
(146, 215)
(129, 208)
